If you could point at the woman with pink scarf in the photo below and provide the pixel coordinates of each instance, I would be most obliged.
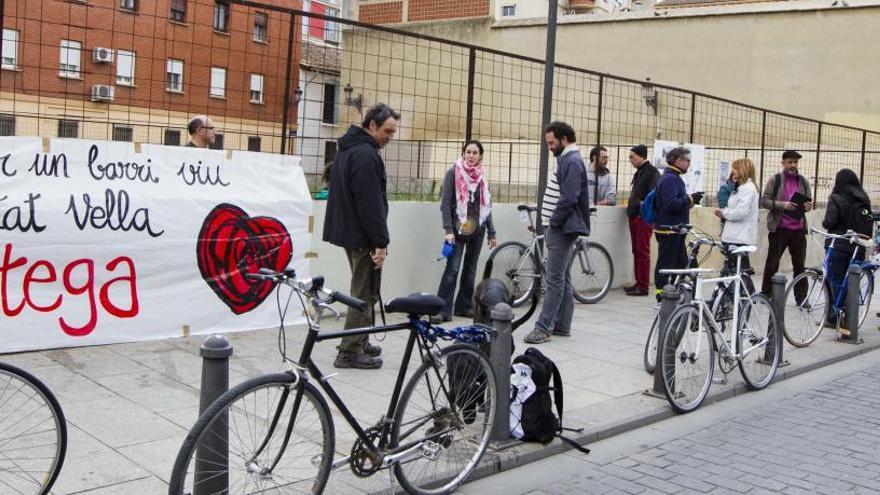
(466, 210)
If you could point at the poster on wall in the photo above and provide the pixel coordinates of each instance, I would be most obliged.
(725, 171)
(103, 242)
(693, 179)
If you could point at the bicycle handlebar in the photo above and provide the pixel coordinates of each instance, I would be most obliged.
(310, 286)
(851, 236)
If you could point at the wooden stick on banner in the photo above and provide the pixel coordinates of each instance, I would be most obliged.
(46, 145)
(311, 254)
(311, 224)
(186, 330)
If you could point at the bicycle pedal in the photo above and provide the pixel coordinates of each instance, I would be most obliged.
(720, 381)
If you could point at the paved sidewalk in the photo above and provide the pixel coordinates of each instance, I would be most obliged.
(129, 406)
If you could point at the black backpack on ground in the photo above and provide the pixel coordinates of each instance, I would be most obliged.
(538, 421)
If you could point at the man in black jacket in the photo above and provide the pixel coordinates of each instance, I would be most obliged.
(356, 220)
(644, 180)
(566, 212)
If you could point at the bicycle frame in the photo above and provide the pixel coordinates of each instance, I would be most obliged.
(305, 364)
(838, 290)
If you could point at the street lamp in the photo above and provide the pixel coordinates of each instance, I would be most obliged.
(649, 94)
(356, 102)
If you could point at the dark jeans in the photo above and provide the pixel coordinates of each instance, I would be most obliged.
(362, 287)
(640, 238)
(470, 251)
(839, 265)
(558, 308)
(671, 254)
(796, 243)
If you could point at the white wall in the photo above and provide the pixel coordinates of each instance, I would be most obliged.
(417, 236)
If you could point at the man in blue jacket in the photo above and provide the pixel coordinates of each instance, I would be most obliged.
(672, 206)
(357, 220)
(566, 212)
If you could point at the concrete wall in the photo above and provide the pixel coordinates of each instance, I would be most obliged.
(417, 236)
(804, 57)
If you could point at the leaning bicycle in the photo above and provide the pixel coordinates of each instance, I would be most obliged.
(693, 337)
(33, 433)
(721, 300)
(275, 433)
(809, 305)
(521, 266)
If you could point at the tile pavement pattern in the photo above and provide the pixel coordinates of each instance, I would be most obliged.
(825, 440)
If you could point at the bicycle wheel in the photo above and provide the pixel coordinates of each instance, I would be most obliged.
(807, 299)
(650, 357)
(866, 289)
(236, 441)
(445, 415)
(33, 433)
(687, 359)
(513, 264)
(592, 271)
(758, 342)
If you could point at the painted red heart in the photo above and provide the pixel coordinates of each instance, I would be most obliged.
(231, 244)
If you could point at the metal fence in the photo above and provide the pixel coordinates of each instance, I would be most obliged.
(282, 80)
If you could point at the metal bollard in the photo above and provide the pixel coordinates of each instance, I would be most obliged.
(668, 302)
(853, 300)
(777, 302)
(499, 356)
(212, 454)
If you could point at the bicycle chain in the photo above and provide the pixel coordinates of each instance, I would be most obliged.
(363, 463)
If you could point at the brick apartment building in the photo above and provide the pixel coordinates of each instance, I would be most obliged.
(135, 71)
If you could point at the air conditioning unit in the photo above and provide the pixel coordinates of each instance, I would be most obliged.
(102, 92)
(102, 55)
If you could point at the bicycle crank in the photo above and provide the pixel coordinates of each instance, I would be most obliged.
(364, 463)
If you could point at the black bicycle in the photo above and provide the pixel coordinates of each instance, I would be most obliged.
(275, 434)
(33, 433)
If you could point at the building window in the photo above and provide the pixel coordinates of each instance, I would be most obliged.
(128, 5)
(125, 68)
(256, 88)
(218, 82)
(68, 128)
(172, 137)
(178, 10)
(70, 59)
(10, 49)
(261, 27)
(174, 73)
(329, 110)
(254, 143)
(329, 151)
(221, 16)
(7, 125)
(123, 133)
(307, 7)
(331, 29)
(508, 11)
(218, 142)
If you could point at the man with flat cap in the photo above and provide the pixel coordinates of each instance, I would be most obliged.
(788, 197)
(201, 132)
(643, 181)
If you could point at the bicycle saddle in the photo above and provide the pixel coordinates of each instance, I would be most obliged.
(526, 208)
(416, 304)
(743, 250)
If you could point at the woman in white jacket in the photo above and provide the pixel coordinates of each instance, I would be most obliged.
(741, 214)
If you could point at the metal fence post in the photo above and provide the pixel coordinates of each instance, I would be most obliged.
(668, 302)
(853, 298)
(499, 356)
(212, 455)
(777, 302)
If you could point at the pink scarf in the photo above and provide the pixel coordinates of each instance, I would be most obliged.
(467, 180)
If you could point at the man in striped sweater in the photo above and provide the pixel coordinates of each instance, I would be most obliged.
(566, 212)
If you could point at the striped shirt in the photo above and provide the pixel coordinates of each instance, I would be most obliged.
(551, 193)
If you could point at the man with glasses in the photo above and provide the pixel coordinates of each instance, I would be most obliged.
(672, 206)
(201, 132)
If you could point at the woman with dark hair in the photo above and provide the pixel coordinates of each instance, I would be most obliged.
(849, 208)
(466, 212)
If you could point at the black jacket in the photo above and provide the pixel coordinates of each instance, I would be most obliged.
(357, 207)
(572, 213)
(846, 212)
(643, 181)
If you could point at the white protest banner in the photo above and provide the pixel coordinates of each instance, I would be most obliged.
(693, 179)
(102, 243)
